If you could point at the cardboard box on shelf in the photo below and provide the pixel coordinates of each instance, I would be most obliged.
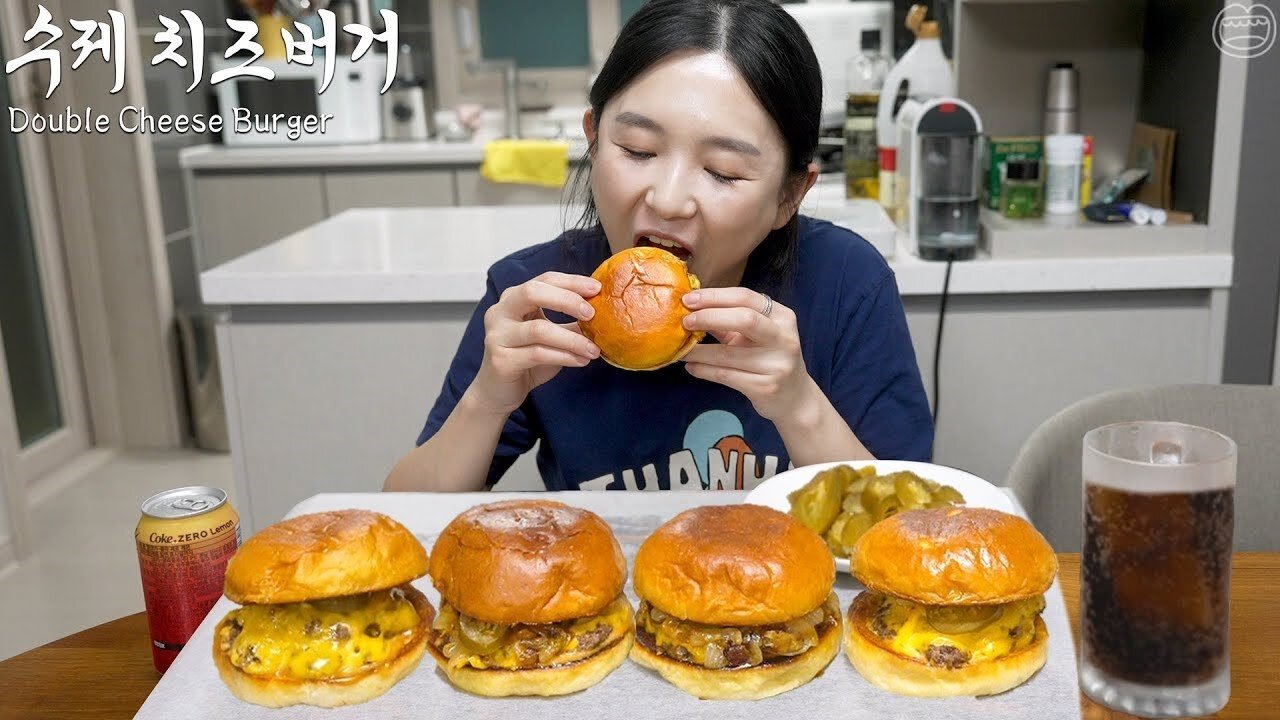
(1152, 149)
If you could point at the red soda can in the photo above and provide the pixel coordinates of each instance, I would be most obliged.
(185, 538)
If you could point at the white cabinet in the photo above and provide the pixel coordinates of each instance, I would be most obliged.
(473, 189)
(388, 188)
(1011, 361)
(235, 213)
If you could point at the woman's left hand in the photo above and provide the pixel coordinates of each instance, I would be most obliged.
(759, 350)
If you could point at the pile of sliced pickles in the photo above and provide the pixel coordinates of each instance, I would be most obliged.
(843, 502)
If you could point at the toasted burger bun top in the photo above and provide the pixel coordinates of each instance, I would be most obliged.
(955, 556)
(527, 561)
(734, 565)
(323, 555)
(637, 323)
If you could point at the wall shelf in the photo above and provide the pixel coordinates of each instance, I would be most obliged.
(1069, 236)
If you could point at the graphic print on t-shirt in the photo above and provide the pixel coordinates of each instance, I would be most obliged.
(715, 455)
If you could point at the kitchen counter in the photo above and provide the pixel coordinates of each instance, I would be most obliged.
(334, 341)
(381, 154)
(424, 255)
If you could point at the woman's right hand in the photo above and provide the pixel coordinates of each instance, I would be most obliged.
(522, 348)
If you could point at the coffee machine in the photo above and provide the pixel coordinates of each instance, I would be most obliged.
(938, 176)
(408, 110)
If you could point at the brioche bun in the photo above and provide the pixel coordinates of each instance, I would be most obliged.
(282, 692)
(904, 675)
(324, 555)
(734, 565)
(955, 556)
(749, 683)
(527, 561)
(638, 313)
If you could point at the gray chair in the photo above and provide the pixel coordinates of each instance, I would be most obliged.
(1046, 473)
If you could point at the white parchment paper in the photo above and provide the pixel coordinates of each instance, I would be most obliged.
(192, 689)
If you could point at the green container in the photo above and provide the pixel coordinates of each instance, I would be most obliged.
(1001, 149)
(1022, 194)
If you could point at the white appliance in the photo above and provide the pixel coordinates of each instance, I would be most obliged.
(407, 113)
(352, 98)
(938, 178)
(835, 32)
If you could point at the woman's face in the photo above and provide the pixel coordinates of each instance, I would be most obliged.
(686, 157)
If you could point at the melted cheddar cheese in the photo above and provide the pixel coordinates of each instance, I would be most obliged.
(325, 639)
(561, 645)
(911, 629)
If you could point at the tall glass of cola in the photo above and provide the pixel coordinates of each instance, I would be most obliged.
(1155, 569)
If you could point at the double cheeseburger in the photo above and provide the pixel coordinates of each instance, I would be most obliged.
(329, 617)
(735, 603)
(531, 599)
(638, 312)
(953, 602)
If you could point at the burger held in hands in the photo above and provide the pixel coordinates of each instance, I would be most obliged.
(328, 616)
(639, 312)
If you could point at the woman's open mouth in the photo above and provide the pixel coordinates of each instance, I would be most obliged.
(667, 244)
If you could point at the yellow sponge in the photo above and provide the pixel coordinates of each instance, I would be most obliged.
(531, 162)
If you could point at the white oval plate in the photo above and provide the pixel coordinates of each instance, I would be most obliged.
(976, 491)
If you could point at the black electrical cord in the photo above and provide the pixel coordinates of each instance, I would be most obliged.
(937, 344)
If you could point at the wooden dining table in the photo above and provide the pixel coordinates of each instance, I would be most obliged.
(105, 672)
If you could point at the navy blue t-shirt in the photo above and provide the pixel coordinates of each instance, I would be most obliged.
(600, 427)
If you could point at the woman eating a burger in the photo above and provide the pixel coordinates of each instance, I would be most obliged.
(701, 133)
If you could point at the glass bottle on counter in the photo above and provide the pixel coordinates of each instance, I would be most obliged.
(1021, 194)
(866, 74)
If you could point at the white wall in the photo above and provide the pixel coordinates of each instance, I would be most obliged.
(4, 523)
(8, 483)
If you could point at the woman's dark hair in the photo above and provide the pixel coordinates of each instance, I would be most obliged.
(775, 58)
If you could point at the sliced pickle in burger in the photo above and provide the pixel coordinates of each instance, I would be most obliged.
(478, 636)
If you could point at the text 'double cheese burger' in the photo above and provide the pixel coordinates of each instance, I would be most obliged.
(328, 616)
(531, 599)
(639, 312)
(736, 602)
(953, 602)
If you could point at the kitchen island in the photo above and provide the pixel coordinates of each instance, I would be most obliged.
(244, 198)
(335, 340)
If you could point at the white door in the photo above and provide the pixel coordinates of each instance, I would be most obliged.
(43, 422)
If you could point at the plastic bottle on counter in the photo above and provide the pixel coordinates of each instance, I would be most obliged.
(927, 73)
(866, 74)
(1063, 156)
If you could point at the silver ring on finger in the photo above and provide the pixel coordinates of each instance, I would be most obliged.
(768, 305)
